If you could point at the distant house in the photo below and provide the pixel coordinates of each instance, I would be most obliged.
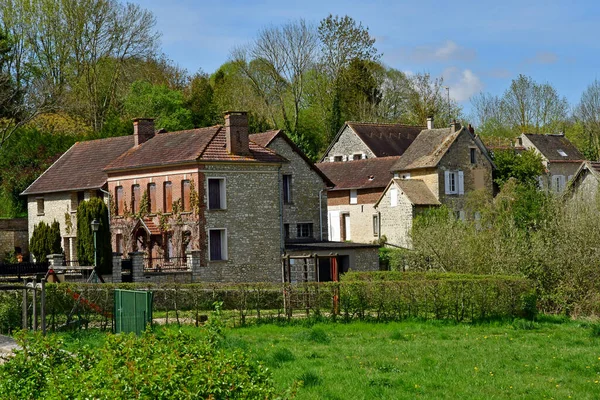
(360, 140)
(444, 166)
(585, 183)
(559, 156)
(350, 204)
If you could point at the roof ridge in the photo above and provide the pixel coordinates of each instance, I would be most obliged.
(385, 124)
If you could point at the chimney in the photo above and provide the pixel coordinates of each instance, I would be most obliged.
(455, 126)
(430, 122)
(471, 129)
(236, 132)
(143, 130)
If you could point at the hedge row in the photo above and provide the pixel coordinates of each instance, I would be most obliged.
(429, 276)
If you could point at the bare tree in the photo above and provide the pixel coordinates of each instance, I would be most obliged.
(588, 112)
(427, 98)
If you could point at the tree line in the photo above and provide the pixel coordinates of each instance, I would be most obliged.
(81, 69)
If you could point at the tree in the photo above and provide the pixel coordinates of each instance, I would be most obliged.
(588, 113)
(158, 101)
(86, 213)
(523, 167)
(427, 98)
(45, 240)
(198, 98)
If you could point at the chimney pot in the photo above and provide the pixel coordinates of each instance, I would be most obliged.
(430, 122)
(236, 133)
(143, 130)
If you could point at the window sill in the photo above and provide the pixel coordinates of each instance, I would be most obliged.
(217, 261)
(40, 214)
(186, 213)
(217, 209)
(118, 217)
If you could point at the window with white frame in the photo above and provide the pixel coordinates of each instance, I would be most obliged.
(393, 197)
(216, 194)
(558, 183)
(353, 196)
(375, 225)
(217, 244)
(454, 182)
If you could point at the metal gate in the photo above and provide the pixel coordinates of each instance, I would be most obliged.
(133, 310)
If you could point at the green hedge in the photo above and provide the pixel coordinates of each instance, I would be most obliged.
(433, 276)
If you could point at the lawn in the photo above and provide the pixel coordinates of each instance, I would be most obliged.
(406, 360)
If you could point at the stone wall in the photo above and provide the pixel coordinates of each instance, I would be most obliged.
(13, 234)
(347, 145)
(396, 222)
(306, 185)
(360, 258)
(567, 170)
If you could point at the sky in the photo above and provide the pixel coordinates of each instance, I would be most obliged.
(475, 45)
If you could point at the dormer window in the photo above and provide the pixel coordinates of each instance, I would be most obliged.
(562, 152)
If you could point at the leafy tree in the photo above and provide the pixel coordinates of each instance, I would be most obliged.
(160, 102)
(198, 98)
(45, 240)
(87, 211)
(427, 98)
(587, 113)
(524, 167)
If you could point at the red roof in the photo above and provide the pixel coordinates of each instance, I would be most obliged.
(359, 174)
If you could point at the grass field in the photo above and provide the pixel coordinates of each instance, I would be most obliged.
(520, 360)
(548, 359)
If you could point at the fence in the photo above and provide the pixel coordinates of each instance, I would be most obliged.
(22, 269)
(165, 265)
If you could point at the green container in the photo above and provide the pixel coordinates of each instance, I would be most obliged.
(133, 311)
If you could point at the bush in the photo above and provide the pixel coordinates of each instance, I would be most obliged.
(10, 311)
(45, 240)
(167, 365)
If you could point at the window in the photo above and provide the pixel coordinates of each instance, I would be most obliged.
(217, 239)
(76, 199)
(119, 199)
(353, 196)
(40, 206)
(185, 195)
(454, 182)
(304, 230)
(357, 156)
(152, 197)
(135, 198)
(286, 231)
(473, 159)
(338, 158)
(393, 197)
(216, 194)
(375, 225)
(558, 183)
(562, 153)
(287, 189)
(168, 197)
(405, 175)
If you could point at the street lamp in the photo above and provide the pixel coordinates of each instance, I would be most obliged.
(95, 225)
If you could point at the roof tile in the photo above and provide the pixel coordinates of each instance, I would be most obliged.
(359, 174)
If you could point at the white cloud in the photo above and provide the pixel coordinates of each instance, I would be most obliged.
(543, 57)
(463, 84)
(447, 51)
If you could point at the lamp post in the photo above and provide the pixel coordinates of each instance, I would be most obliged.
(95, 225)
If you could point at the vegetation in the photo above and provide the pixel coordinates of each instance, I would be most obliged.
(94, 209)
(45, 240)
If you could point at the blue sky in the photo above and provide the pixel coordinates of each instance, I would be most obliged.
(476, 46)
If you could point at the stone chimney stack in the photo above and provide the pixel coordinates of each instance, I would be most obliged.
(430, 122)
(143, 130)
(236, 132)
(455, 126)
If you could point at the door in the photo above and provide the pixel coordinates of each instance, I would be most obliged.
(347, 227)
(334, 226)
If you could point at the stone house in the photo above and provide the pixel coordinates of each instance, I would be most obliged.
(350, 204)
(583, 187)
(559, 156)
(441, 166)
(360, 140)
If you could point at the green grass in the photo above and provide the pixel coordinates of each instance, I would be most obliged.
(549, 358)
(434, 360)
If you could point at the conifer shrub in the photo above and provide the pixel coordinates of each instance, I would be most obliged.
(45, 240)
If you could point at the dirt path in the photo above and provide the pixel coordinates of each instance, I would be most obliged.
(7, 344)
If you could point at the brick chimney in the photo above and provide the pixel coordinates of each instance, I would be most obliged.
(143, 130)
(236, 132)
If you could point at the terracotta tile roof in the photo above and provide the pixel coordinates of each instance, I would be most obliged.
(386, 140)
(359, 174)
(550, 145)
(81, 167)
(150, 226)
(417, 192)
(427, 149)
(204, 144)
(266, 138)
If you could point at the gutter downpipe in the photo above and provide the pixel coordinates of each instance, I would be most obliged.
(321, 213)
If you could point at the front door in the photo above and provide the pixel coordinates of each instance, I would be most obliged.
(334, 226)
(346, 227)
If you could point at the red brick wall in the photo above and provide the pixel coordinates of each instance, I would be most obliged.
(342, 197)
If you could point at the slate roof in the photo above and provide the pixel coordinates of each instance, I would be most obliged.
(417, 192)
(549, 145)
(359, 174)
(427, 149)
(264, 139)
(384, 140)
(204, 144)
(81, 167)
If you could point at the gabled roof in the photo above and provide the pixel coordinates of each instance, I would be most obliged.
(592, 167)
(204, 144)
(264, 139)
(555, 147)
(427, 149)
(415, 190)
(384, 140)
(359, 174)
(81, 167)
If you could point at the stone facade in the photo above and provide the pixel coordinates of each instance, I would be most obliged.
(13, 237)
(347, 146)
(359, 258)
(396, 222)
(308, 198)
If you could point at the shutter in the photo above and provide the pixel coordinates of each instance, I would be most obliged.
(364, 156)
(168, 197)
(461, 182)
(447, 181)
(563, 183)
(331, 159)
(393, 197)
(353, 196)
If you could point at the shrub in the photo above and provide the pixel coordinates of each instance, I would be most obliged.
(10, 311)
(45, 240)
(86, 213)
